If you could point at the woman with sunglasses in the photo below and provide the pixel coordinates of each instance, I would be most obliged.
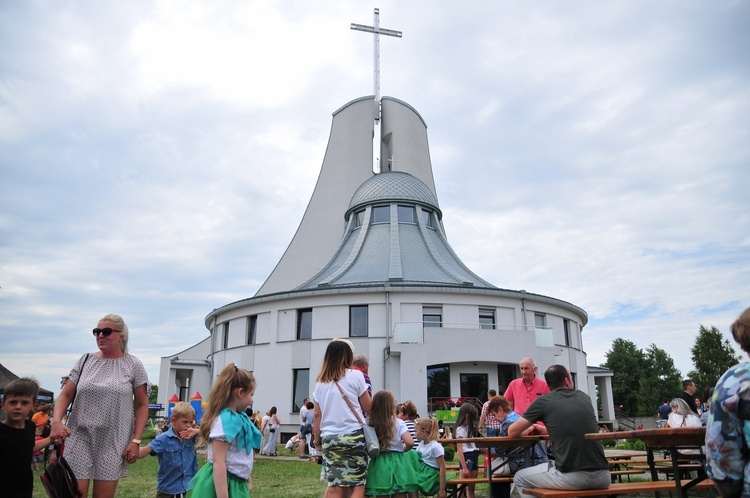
(110, 389)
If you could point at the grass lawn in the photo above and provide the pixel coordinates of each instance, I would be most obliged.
(272, 478)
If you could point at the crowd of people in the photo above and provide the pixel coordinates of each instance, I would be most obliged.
(101, 413)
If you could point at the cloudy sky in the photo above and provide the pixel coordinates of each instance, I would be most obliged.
(156, 157)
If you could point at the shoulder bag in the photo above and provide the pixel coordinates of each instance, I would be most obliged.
(371, 437)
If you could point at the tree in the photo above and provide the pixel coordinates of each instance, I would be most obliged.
(712, 355)
(154, 394)
(661, 379)
(627, 364)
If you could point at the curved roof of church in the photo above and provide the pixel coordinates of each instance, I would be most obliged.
(407, 251)
(393, 186)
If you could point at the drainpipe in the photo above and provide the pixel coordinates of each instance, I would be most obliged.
(523, 309)
(211, 368)
(387, 349)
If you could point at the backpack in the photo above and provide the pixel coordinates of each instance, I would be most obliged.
(307, 429)
(58, 478)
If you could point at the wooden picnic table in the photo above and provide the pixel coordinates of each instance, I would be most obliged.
(677, 441)
(505, 446)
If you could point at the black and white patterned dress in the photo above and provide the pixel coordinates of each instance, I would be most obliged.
(101, 424)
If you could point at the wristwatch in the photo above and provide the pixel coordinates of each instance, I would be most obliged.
(136, 441)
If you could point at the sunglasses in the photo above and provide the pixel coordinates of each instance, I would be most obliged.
(105, 331)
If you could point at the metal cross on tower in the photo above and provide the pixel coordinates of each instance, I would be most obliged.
(376, 30)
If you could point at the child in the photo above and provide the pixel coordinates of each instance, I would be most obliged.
(231, 437)
(37, 452)
(175, 449)
(466, 427)
(391, 473)
(17, 438)
(431, 472)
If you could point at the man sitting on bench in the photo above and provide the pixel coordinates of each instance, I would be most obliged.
(567, 415)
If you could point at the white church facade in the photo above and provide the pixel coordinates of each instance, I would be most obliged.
(371, 262)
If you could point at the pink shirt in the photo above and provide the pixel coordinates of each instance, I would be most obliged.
(522, 395)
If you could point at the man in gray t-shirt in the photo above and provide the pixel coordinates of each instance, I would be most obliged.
(567, 415)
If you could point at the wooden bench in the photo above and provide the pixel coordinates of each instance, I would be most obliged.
(623, 488)
(456, 486)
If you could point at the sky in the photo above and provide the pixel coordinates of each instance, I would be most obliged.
(156, 157)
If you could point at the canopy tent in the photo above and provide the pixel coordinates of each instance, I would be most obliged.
(7, 376)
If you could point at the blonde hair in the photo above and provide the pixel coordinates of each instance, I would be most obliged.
(430, 426)
(383, 417)
(222, 393)
(183, 409)
(338, 357)
(121, 325)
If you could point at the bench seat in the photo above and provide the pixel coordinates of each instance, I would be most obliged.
(620, 488)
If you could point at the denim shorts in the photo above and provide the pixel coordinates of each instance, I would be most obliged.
(472, 460)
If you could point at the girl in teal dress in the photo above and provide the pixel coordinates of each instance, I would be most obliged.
(231, 438)
(392, 473)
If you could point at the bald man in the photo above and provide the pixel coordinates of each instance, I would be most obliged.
(522, 392)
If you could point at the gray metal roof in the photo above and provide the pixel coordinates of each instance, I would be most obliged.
(407, 252)
(393, 186)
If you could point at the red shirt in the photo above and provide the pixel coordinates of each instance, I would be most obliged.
(522, 395)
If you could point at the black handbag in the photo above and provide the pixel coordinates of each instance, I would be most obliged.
(58, 478)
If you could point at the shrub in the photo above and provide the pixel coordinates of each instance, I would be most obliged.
(450, 452)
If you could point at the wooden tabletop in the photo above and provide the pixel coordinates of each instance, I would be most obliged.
(667, 437)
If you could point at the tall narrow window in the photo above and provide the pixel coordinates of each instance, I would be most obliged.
(566, 328)
(225, 336)
(358, 321)
(432, 316)
(252, 328)
(428, 218)
(406, 214)
(486, 318)
(300, 388)
(381, 214)
(438, 381)
(304, 324)
(540, 320)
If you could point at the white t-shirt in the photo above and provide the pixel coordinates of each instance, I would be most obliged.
(302, 412)
(397, 443)
(238, 461)
(336, 416)
(430, 452)
(675, 421)
(463, 431)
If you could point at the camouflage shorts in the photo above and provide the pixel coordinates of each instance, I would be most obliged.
(346, 459)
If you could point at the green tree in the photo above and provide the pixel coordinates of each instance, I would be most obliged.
(627, 363)
(154, 394)
(712, 355)
(661, 379)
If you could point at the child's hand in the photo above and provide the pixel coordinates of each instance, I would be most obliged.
(466, 473)
(189, 432)
(442, 494)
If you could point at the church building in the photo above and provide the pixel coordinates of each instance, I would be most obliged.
(371, 262)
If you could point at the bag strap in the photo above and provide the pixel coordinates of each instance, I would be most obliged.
(351, 407)
(70, 408)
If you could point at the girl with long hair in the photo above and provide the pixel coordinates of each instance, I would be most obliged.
(340, 398)
(467, 427)
(392, 473)
(231, 438)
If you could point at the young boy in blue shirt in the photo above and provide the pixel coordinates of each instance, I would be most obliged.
(175, 449)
